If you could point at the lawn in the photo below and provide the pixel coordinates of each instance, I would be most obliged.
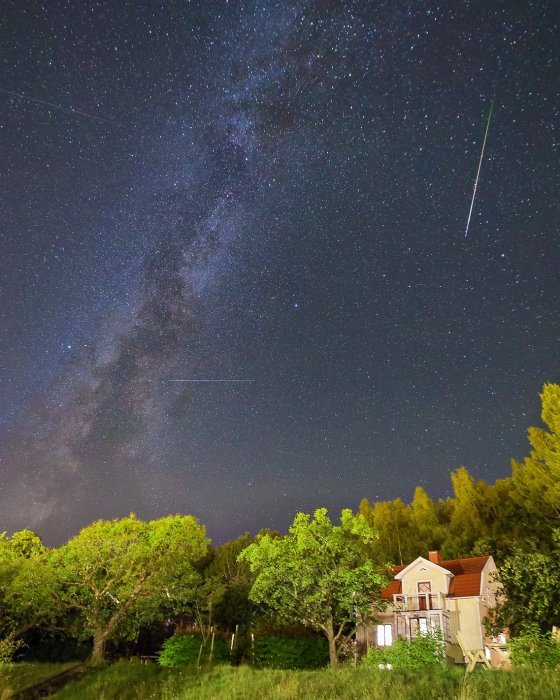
(129, 680)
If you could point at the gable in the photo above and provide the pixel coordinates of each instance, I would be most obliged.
(421, 565)
(465, 576)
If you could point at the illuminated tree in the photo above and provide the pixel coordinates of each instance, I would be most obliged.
(319, 575)
(26, 588)
(536, 482)
(115, 576)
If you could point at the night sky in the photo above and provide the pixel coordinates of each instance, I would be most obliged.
(276, 192)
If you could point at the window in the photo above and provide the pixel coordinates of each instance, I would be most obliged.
(384, 635)
(418, 625)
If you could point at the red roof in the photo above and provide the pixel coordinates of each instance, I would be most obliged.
(465, 580)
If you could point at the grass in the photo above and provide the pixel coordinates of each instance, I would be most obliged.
(127, 680)
(17, 677)
(134, 681)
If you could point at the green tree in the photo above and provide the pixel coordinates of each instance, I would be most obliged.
(227, 582)
(536, 482)
(427, 522)
(466, 525)
(319, 575)
(397, 539)
(115, 576)
(530, 589)
(26, 587)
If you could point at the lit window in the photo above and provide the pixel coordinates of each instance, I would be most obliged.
(384, 635)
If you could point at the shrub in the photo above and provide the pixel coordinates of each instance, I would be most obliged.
(277, 651)
(182, 649)
(425, 650)
(532, 649)
(9, 646)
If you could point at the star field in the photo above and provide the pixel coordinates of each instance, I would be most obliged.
(274, 192)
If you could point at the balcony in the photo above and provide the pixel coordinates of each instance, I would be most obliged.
(419, 601)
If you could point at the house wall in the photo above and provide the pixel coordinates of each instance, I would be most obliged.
(465, 616)
(499, 658)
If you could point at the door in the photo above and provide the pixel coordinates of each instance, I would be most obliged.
(424, 589)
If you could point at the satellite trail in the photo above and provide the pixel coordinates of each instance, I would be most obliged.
(479, 165)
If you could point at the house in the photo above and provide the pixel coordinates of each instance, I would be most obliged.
(448, 595)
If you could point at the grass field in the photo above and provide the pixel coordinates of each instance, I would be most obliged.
(16, 677)
(134, 681)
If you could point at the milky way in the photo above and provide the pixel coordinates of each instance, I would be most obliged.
(271, 192)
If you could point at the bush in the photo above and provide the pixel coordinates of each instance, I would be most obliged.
(532, 649)
(183, 649)
(424, 651)
(9, 646)
(277, 651)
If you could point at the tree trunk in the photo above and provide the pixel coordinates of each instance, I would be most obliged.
(99, 643)
(333, 656)
(332, 652)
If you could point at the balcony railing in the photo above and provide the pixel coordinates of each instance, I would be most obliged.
(419, 601)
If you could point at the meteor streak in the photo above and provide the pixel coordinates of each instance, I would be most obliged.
(479, 166)
(195, 381)
(210, 380)
(56, 106)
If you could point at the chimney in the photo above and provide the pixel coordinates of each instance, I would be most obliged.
(434, 557)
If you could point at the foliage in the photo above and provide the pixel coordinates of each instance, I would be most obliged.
(426, 650)
(9, 646)
(116, 575)
(532, 649)
(536, 482)
(183, 649)
(319, 575)
(277, 651)
(223, 598)
(530, 589)
(26, 588)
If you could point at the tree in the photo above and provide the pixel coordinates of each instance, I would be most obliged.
(397, 536)
(536, 482)
(26, 587)
(465, 525)
(530, 589)
(427, 522)
(227, 584)
(115, 576)
(319, 575)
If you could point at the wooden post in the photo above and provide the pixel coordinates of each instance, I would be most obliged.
(199, 654)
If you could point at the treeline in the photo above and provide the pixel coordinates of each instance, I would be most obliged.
(118, 579)
(520, 511)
